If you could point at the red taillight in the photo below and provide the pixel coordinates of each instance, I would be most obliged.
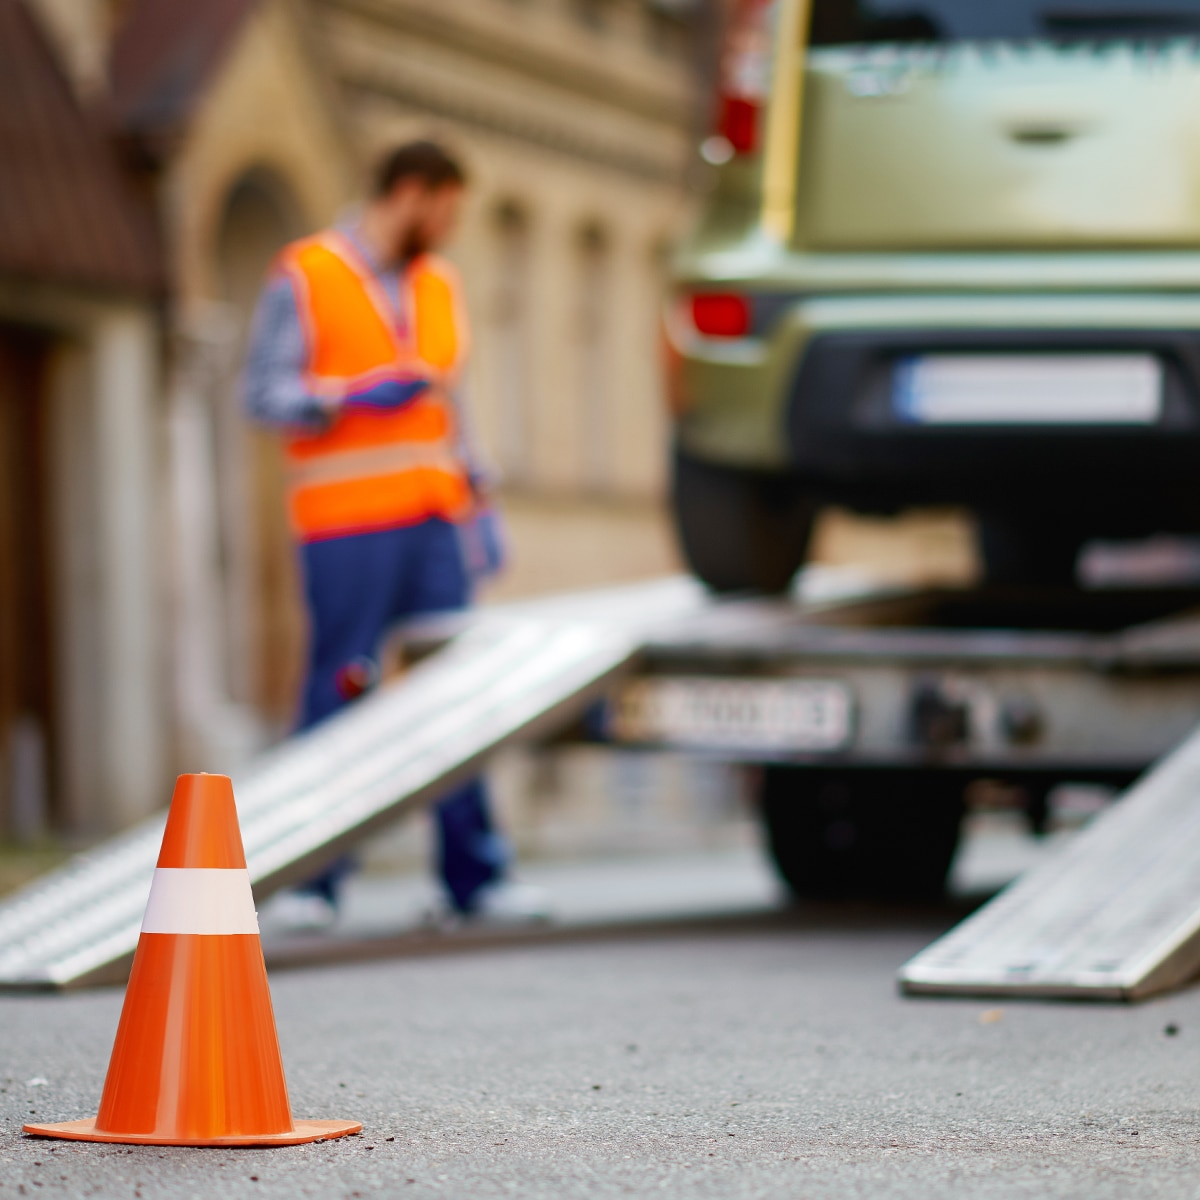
(744, 77)
(738, 124)
(721, 314)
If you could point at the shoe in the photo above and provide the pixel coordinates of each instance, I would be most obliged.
(439, 916)
(300, 912)
(508, 902)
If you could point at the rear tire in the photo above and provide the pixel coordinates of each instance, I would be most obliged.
(740, 530)
(862, 834)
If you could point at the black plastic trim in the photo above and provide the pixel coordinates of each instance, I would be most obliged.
(843, 431)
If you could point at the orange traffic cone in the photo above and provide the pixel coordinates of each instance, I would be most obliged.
(196, 1060)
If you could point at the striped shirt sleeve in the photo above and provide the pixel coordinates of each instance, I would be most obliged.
(273, 385)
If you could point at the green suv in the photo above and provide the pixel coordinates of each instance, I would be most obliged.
(951, 256)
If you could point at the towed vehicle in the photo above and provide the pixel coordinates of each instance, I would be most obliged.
(951, 255)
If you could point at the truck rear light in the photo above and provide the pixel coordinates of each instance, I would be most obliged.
(744, 74)
(721, 314)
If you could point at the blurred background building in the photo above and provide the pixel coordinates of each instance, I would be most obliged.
(157, 154)
(81, 285)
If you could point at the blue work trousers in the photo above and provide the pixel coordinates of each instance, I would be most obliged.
(357, 587)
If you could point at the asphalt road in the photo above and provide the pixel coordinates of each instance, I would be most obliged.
(771, 1060)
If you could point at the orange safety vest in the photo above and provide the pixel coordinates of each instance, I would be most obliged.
(368, 469)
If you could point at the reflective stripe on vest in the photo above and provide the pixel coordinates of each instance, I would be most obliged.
(375, 460)
(375, 469)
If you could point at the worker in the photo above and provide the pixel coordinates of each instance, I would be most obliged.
(356, 355)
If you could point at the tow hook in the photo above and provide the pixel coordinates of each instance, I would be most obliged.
(937, 717)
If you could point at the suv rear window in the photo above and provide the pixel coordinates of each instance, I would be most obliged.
(839, 22)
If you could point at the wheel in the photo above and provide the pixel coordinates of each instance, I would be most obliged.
(1026, 549)
(740, 530)
(854, 835)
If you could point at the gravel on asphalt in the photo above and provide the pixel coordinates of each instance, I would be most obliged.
(778, 1062)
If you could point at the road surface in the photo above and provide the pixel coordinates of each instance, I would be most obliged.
(768, 1059)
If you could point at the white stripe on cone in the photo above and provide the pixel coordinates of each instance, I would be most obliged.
(200, 900)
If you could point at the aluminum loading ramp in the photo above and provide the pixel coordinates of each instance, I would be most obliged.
(1115, 916)
(532, 668)
(308, 801)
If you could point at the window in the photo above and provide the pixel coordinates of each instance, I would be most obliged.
(508, 320)
(593, 374)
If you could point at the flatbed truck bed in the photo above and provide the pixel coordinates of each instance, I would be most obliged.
(867, 717)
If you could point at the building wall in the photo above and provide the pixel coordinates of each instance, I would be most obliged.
(93, 753)
(575, 133)
(268, 108)
(574, 120)
(177, 623)
(267, 157)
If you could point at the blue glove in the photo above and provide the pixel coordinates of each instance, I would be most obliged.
(391, 394)
(483, 543)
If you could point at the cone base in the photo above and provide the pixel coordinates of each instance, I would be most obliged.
(303, 1131)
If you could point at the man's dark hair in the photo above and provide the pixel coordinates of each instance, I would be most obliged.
(425, 161)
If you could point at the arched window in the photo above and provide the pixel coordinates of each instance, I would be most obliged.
(262, 617)
(259, 216)
(508, 319)
(593, 351)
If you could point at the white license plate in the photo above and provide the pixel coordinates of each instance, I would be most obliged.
(765, 715)
(1029, 389)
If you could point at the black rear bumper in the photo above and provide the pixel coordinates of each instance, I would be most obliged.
(845, 436)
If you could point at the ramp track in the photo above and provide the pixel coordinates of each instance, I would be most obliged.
(309, 800)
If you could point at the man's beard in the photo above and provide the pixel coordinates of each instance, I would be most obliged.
(415, 244)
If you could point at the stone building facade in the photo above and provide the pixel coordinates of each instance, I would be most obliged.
(250, 122)
(82, 739)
